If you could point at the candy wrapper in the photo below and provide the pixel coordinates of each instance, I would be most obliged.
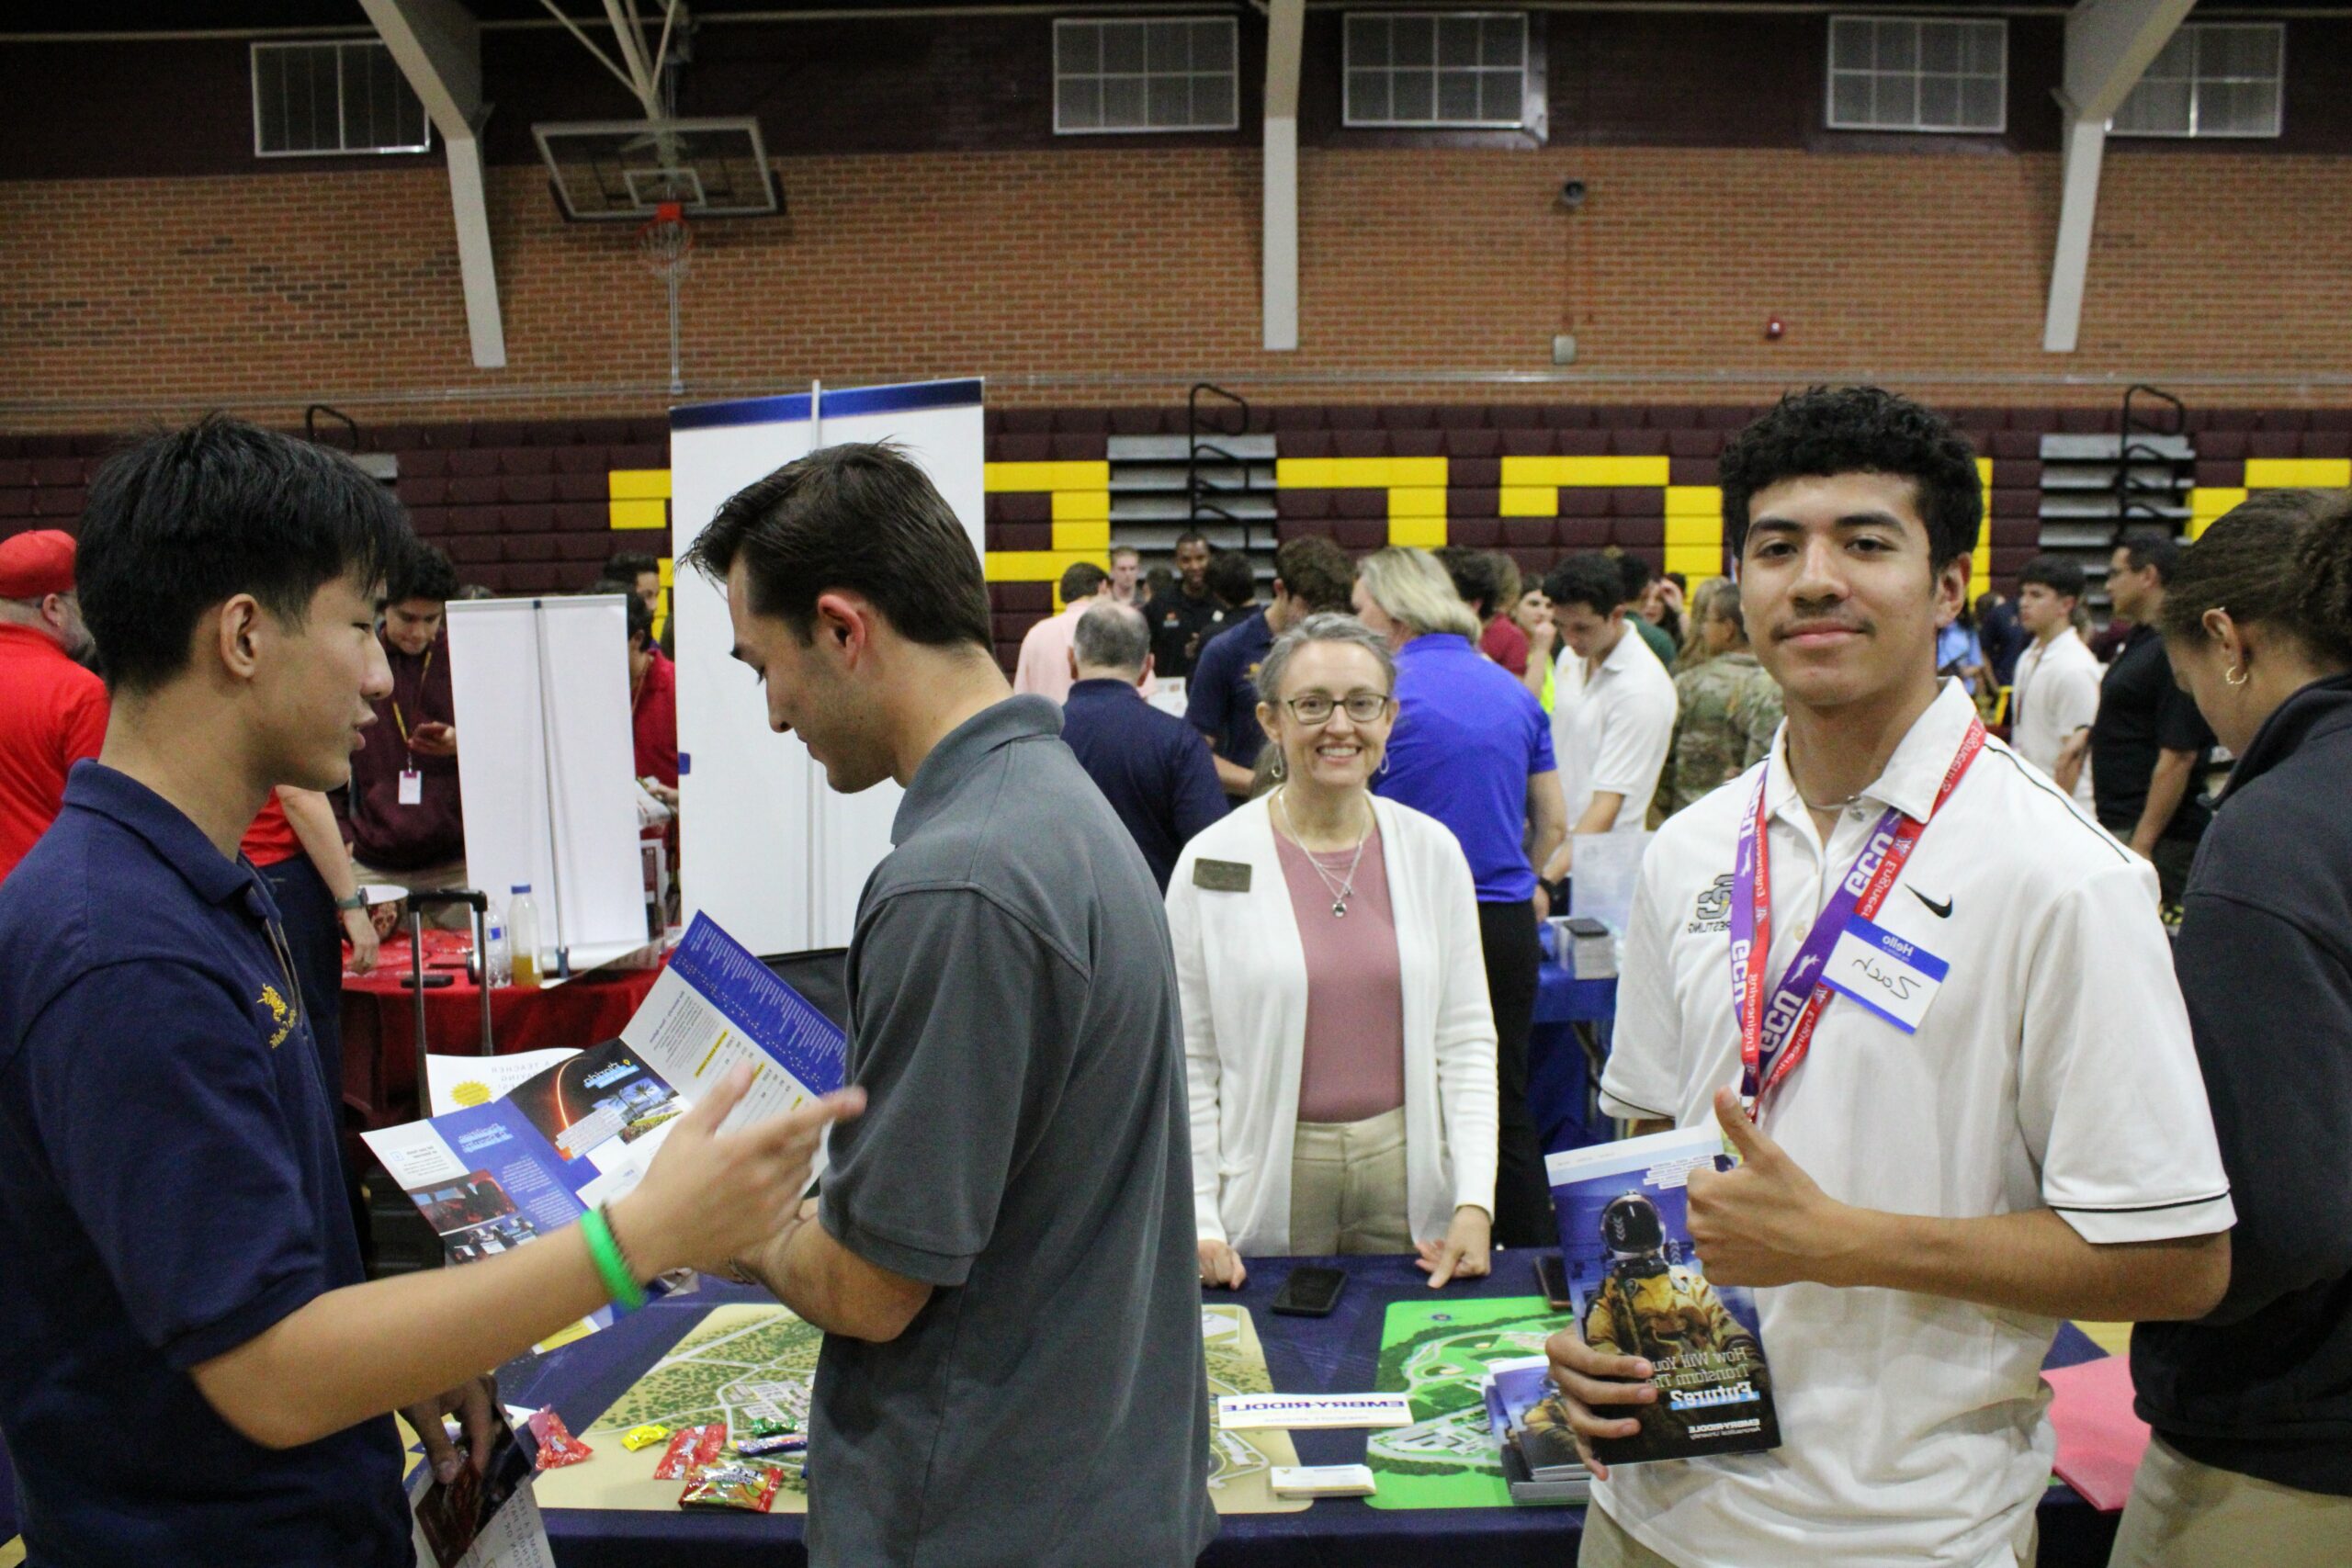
(644, 1437)
(770, 1443)
(690, 1448)
(558, 1447)
(736, 1484)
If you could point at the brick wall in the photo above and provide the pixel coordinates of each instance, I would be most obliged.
(1118, 276)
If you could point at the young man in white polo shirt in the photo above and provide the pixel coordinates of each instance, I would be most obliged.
(1924, 1199)
(2054, 700)
(1612, 712)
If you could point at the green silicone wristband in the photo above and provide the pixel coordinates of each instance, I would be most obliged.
(611, 1267)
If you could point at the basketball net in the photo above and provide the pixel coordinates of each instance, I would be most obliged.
(666, 243)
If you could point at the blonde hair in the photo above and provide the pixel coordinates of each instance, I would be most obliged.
(1415, 592)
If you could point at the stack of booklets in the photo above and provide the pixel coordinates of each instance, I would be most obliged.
(1530, 1429)
(1641, 1290)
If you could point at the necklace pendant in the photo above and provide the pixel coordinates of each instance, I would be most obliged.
(1340, 908)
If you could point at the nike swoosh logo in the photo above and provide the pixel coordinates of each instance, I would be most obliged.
(1941, 911)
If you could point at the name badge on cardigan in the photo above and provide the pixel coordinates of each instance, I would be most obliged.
(1221, 876)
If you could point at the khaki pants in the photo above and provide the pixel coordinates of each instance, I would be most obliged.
(1606, 1545)
(452, 873)
(1347, 1188)
(2187, 1515)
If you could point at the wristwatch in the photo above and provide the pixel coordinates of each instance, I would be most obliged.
(357, 901)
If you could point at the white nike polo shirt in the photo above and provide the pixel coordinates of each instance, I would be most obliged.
(2052, 1069)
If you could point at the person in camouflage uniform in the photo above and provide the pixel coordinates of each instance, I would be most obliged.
(1727, 710)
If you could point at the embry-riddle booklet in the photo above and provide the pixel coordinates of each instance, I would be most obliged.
(1641, 1290)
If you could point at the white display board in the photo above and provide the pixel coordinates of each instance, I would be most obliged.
(546, 765)
(765, 847)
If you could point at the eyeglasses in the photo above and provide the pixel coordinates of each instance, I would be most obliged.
(1363, 707)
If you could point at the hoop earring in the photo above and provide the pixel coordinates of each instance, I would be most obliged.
(1384, 765)
(1281, 769)
(2238, 675)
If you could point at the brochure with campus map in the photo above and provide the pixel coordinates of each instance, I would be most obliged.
(1640, 1290)
(531, 1157)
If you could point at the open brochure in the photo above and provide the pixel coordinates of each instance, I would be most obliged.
(531, 1157)
(1640, 1290)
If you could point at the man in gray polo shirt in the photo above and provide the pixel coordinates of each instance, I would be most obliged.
(1003, 1260)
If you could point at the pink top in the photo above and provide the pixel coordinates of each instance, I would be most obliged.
(1354, 1068)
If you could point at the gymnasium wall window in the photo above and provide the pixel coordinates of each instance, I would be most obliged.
(335, 96)
(2212, 79)
(1165, 73)
(1918, 73)
(1457, 70)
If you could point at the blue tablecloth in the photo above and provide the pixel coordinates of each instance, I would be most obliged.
(1334, 1354)
(1572, 1027)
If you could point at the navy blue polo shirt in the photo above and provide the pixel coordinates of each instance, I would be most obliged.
(1468, 737)
(170, 1188)
(1221, 699)
(1149, 765)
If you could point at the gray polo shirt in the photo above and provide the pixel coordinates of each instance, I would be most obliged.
(1025, 1149)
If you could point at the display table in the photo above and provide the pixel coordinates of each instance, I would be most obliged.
(379, 1023)
(1336, 1354)
(1564, 1053)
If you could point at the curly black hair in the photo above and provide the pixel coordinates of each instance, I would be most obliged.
(1845, 430)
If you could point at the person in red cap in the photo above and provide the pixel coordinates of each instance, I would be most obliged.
(52, 710)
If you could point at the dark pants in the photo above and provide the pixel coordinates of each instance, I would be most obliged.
(314, 938)
(1522, 1195)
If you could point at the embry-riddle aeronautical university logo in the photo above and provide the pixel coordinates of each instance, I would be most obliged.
(279, 1014)
(1712, 911)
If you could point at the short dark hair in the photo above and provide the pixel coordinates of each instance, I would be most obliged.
(2060, 574)
(1191, 536)
(1082, 579)
(1637, 574)
(1587, 578)
(2145, 548)
(640, 619)
(1113, 636)
(2282, 558)
(1475, 578)
(628, 568)
(1845, 430)
(425, 573)
(186, 518)
(1232, 579)
(860, 516)
(1317, 572)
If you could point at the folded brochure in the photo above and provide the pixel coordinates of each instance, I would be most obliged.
(496, 1175)
(1640, 1290)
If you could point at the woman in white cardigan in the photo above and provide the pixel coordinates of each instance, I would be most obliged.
(1340, 1051)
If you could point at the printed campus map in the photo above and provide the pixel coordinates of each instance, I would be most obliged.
(1436, 1353)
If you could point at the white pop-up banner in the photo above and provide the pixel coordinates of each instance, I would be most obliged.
(765, 847)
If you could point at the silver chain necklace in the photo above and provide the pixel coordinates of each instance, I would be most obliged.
(1345, 887)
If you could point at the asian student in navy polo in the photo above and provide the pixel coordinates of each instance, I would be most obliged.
(1994, 1121)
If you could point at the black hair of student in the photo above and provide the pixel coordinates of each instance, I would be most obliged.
(862, 517)
(1190, 536)
(1637, 575)
(424, 572)
(628, 568)
(640, 619)
(1158, 582)
(1232, 579)
(1827, 430)
(1082, 579)
(184, 519)
(1317, 573)
(2145, 548)
(2281, 559)
(1590, 579)
(2060, 574)
(1476, 581)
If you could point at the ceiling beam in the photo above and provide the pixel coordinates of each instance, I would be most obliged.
(437, 45)
(2109, 44)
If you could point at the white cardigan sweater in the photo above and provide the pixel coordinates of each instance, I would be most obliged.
(1241, 974)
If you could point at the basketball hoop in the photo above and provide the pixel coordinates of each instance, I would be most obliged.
(666, 241)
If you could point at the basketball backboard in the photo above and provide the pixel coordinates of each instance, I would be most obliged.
(625, 169)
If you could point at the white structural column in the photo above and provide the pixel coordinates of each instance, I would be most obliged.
(437, 45)
(2108, 44)
(1286, 24)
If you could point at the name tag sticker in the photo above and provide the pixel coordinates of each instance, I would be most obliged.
(1894, 978)
(412, 787)
(1221, 876)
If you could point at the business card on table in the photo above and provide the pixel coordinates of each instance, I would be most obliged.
(1323, 1481)
(1310, 1412)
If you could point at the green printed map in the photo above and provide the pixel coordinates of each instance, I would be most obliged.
(743, 1363)
(1436, 1353)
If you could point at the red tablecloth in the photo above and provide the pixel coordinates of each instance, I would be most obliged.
(379, 1020)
